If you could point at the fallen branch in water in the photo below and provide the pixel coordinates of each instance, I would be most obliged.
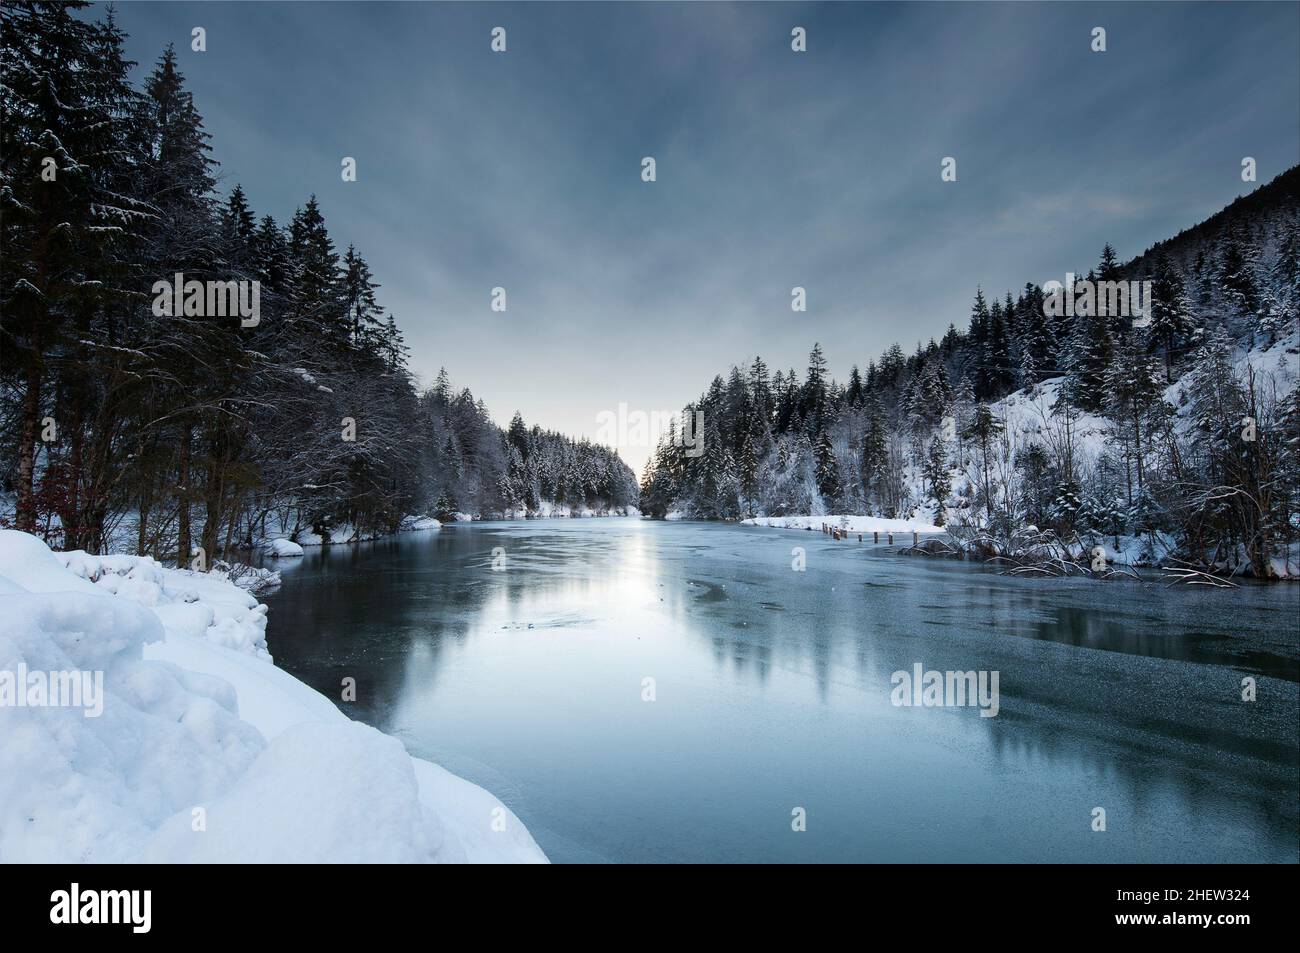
(1194, 577)
(932, 547)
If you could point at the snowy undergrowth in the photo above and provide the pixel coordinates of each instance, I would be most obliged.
(200, 605)
(203, 751)
(1027, 415)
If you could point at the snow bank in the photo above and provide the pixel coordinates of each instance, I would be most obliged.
(282, 548)
(202, 751)
(548, 510)
(415, 524)
(200, 604)
(852, 524)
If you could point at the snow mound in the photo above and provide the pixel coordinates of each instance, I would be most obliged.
(282, 548)
(200, 750)
(201, 604)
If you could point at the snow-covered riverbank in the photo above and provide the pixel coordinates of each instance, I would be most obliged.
(850, 524)
(202, 749)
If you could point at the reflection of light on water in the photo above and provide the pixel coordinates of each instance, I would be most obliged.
(602, 586)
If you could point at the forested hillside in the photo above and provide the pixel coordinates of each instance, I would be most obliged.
(1183, 426)
(166, 433)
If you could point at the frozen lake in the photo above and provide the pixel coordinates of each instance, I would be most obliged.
(772, 692)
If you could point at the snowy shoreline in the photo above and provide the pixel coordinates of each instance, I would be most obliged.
(292, 544)
(204, 751)
(849, 524)
(1130, 551)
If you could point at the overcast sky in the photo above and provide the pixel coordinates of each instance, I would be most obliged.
(820, 169)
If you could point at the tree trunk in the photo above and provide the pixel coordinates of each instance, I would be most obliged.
(141, 534)
(1137, 448)
(212, 499)
(25, 515)
(183, 542)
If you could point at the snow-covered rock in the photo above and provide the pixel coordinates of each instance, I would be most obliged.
(201, 750)
(282, 548)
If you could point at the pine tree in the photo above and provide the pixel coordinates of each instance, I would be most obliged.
(364, 315)
(982, 376)
(238, 229)
(1235, 282)
(813, 398)
(518, 435)
(854, 393)
(392, 345)
(828, 470)
(937, 478)
(928, 399)
(319, 301)
(875, 448)
(1169, 320)
(1088, 354)
(1108, 267)
(760, 391)
(444, 508)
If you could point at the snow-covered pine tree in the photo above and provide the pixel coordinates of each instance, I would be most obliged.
(937, 478)
(363, 313)
(828, 470)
